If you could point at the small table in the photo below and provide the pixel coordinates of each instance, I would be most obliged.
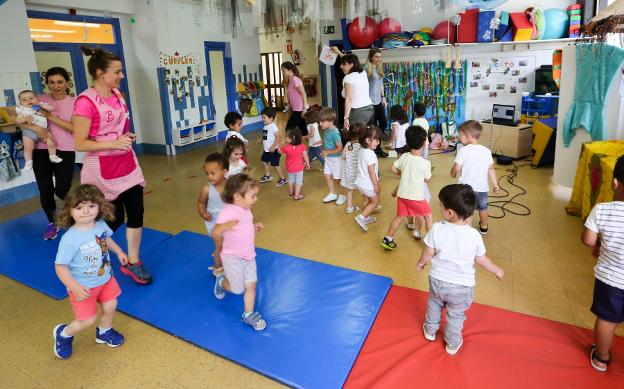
(594, 173)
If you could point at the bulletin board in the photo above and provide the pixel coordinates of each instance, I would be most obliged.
(185, 93)
(498, 81)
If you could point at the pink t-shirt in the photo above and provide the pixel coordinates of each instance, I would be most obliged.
(294, 157)
(62, 109)
(239, 241)
(294, 97)
(85, 108)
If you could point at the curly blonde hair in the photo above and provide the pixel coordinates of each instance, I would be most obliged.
(80, 194)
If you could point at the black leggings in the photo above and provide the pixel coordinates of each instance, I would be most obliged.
(296, 120)
(379, 117)
(62, 172)
(128, 203)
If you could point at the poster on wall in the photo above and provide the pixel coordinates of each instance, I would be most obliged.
(498, 81)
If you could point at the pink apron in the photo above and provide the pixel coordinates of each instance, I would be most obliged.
(112, 171)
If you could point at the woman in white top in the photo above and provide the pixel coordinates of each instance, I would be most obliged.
(358, 105)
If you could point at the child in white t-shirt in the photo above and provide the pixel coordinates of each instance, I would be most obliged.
(419, 112)
(414, 171)
(367, 180)
(350, 155)
(315, 143)
(453, 247)
(234, 122)
(474, 165)
(604, 233)
(234, 150)
(270, 143)
(399, 125)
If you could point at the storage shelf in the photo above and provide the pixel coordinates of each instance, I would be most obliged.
(186, 135)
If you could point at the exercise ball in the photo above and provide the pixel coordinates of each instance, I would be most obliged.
(445, 30)
(555, 23)
(362, 33)
(427, 30)
(389, 26)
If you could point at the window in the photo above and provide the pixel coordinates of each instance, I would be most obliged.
(62, 31)
(271, 70)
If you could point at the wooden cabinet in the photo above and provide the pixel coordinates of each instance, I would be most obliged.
(510, 141)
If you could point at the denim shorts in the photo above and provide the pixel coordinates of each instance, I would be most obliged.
(482, 201)
(30, 134)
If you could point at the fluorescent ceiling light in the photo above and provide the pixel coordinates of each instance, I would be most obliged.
(76, 24)
(40, 36)
(53, 31)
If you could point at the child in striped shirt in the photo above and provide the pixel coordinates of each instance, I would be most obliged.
(604, 233)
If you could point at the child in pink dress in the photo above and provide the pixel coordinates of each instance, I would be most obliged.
(296, 159)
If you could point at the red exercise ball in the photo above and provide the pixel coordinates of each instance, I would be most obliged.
(362, 35)
(388, 26)
(445, 30)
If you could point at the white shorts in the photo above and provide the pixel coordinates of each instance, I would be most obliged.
(333, 166)
(239, 272)
(367, 192)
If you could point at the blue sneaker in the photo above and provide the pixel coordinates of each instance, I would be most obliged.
(62, 345)
(255, 320)
(219, 291)
(111, 337)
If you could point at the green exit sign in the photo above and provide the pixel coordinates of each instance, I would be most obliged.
(328, 29)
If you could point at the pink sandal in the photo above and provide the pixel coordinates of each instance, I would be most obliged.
(298, 197)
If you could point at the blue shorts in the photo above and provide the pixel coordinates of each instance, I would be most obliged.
(30, 134)
(482, 201)
(272, 158)
(608, 302)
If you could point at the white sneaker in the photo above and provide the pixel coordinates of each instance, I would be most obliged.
(453, 351)
(417, 235)
(429, 337)
(55, 159)
(28, 165)
(353, 209)
(341, 199)
(330, 197)
(378, 207)
(371, 219)
(410, 226)
(361, 220)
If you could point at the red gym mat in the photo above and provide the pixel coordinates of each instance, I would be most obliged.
(502, 349)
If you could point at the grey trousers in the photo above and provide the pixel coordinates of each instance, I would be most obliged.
(361, 115)
(457, 299)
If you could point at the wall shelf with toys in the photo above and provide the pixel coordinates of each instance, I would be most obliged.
(190, 134)
(252, 100)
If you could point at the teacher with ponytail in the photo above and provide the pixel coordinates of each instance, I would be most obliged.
(101, 126)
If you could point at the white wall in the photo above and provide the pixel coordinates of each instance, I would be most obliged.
(16, 47)
(112, 6)
(566, 158)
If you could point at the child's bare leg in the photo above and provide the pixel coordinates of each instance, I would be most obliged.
(418, 222)
(483, 218)
(29, 146)
(78, 325)
(338, 186)
(108, 313)
(349, 198)
(330, 183)
(278, 169)
(298, 190)
(370, 207)
(412, 221)
(267, 171)
(250, 297)
(291, 188)
(51, 145)
(603, 336)
(428, 222)
(396, 222)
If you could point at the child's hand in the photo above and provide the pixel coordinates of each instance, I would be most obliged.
(394, 192)
(28, 119)
(495, 188)
(259, 140)
(207, 217)
(596, 249)
(500, 273)
(259, 226)
(378, 189)
(421, 266)
(80, 292)
(307, 165)
(123, 258)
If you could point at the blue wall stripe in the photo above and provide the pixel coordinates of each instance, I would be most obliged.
(245, 73)
(9, 97)
(35, 82)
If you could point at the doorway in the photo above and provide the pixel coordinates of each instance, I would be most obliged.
(57, 39)
(272, 72)
(220, 79)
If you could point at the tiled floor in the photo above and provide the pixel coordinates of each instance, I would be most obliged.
(548, 274)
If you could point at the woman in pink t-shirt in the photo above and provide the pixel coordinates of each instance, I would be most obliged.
(295, 97)
(102, 129)
(55, 177)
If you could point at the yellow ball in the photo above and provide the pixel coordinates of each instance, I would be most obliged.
(427, 30)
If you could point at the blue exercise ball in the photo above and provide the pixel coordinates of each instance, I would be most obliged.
(483, 4)
(556, 24)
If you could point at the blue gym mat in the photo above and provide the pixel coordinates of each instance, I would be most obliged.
(318, 315)
(26, 258)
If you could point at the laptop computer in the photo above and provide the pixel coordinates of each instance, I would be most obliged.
(503, 114)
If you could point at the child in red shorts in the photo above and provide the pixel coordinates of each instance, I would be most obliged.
(83, 266)
(411, 198)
